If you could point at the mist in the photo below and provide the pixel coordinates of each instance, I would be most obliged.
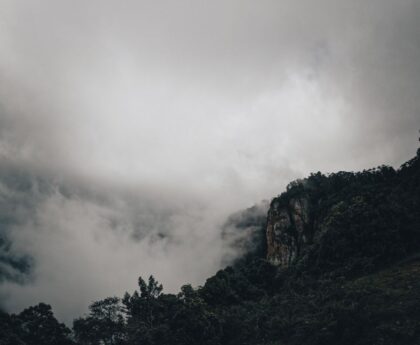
(130, 131)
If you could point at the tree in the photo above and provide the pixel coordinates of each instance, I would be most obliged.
(142, 309)
(38, 326)
(142, 306)
(105, 323)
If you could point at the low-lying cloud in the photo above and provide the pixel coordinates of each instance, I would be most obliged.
(82, 242)
(130, 131)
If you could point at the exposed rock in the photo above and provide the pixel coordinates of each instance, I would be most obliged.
(288, 229)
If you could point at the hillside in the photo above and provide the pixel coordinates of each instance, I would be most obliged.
(341, 265)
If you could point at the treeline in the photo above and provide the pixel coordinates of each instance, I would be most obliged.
(358, 282)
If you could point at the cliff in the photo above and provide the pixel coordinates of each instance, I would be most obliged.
(288, 230)
(346, 221)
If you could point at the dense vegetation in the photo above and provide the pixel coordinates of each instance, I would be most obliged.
(357, 283)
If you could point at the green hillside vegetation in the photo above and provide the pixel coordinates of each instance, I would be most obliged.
(357, 282)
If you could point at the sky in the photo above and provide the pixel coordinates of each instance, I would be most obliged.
(130, 130)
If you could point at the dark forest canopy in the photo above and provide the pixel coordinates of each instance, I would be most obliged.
(358, 284)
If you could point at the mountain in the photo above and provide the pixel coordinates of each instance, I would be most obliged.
(346, 223)
(335, 260)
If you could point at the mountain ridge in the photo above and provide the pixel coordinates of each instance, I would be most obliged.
(341, 265)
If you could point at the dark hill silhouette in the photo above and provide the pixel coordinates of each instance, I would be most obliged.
(341, 266)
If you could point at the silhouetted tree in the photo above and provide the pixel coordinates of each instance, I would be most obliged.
(38, 326)
(104, 325)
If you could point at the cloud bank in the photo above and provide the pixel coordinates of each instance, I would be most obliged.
(129, 131)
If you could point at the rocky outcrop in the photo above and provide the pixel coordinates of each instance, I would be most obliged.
(288, 229)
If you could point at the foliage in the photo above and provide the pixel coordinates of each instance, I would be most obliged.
(104, 325)
(34, 326)
(357, 283)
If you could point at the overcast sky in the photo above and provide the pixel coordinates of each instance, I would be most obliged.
(138, 126)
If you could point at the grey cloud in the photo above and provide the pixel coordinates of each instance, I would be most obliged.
(81, 242)
(150, 122)
(243, 233)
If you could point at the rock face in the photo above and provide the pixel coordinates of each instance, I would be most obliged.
(346, 222)
(288, 229)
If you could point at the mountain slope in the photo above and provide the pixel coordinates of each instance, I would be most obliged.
(341, 266)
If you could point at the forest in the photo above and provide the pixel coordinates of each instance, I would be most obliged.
(357, 282)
